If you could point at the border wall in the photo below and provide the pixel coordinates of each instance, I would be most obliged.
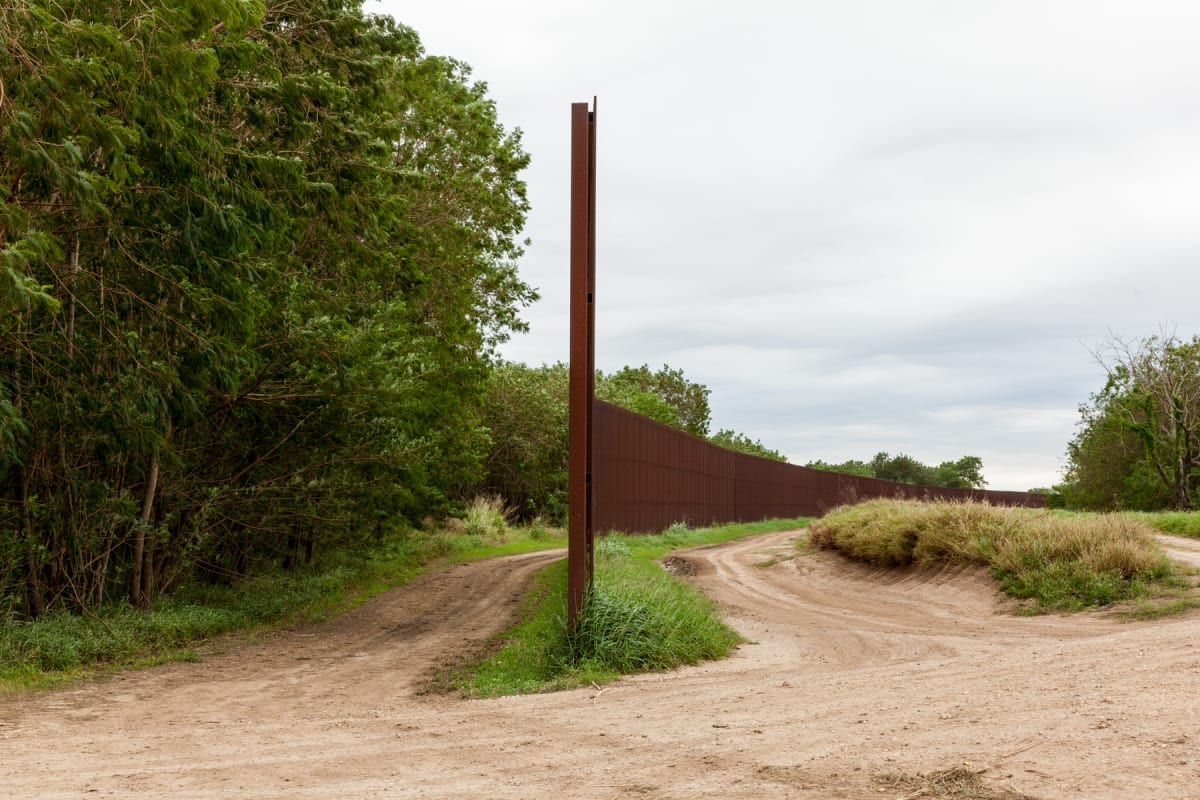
(646, 476)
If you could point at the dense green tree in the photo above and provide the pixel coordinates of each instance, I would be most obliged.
(525, 413)
(1138, 443)
(664, 393)
(740, 443)
(965, 473)
(1053, 495)
(636, 399)
(1107, 469)
(900, 468)
(255, 260)
(851, 467)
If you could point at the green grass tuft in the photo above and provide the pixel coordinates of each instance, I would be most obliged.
(487, 519)
(1179, 523)
(1056, 561)
(1159, 608)
(638, 619)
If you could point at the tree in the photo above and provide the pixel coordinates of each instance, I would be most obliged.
(741, 443)
(901, 469)
(254, 262)
(525, 412)
(632, 397)
(1106, 468)
(1138, 444)
(965, 473)
(687, 400)
(1053, 494)
(851, 467)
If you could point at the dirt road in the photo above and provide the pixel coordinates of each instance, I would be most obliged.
(852, 674)
(1181, 549)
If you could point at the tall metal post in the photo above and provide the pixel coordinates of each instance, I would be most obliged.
(580, 545)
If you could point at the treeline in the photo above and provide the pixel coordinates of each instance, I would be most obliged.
(1138, 442)
(526, 413)
(965, 473)
(254, 260)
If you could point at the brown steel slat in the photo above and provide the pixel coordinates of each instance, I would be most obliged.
(582, 370)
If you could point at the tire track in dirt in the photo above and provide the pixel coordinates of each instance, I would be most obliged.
(850, 673)
(284, 698)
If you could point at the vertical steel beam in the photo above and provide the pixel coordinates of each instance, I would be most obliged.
(580, 550)
(591, 356)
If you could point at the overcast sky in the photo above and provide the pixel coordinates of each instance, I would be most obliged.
(865, 226)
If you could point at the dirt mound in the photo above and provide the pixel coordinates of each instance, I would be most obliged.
(854, 677)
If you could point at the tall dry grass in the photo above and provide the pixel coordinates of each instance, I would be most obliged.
(1061, 562)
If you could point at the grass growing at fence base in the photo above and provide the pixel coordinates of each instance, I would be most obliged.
(1057, 562)
(64, 647)
(638, 619)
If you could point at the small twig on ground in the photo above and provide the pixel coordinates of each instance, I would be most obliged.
(1018, 751)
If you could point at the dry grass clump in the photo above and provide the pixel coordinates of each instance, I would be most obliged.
(487, 519)
(956, 783)
(1060, 562)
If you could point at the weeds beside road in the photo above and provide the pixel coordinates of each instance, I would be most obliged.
(1056, 561)
(639, 618)
(64, 647)
(668, 619)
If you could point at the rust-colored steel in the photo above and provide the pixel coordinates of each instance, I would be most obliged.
(590, 529)
(647, 476)
(582, 376)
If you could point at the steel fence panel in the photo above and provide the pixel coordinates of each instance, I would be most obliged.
(647, 476)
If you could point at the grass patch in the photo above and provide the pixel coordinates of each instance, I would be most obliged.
(638, 619)
(1179, 523)
(64, 647)
(1056, 562)
(1159, 608)
(486, 519)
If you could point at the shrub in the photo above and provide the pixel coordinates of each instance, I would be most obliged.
(1061, 561)
(639, 619)
(487, 518)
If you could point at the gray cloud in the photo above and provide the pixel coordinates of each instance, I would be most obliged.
(864, 225)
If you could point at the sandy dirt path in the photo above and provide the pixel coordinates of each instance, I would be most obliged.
(851, 674)
(1181, 549)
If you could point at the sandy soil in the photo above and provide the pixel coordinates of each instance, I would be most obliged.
(852, 674)
(1181, 549)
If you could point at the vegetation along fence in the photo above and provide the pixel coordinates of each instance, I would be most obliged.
(646, 476)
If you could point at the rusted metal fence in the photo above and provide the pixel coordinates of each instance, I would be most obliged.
(580, 527)
(646, 476)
